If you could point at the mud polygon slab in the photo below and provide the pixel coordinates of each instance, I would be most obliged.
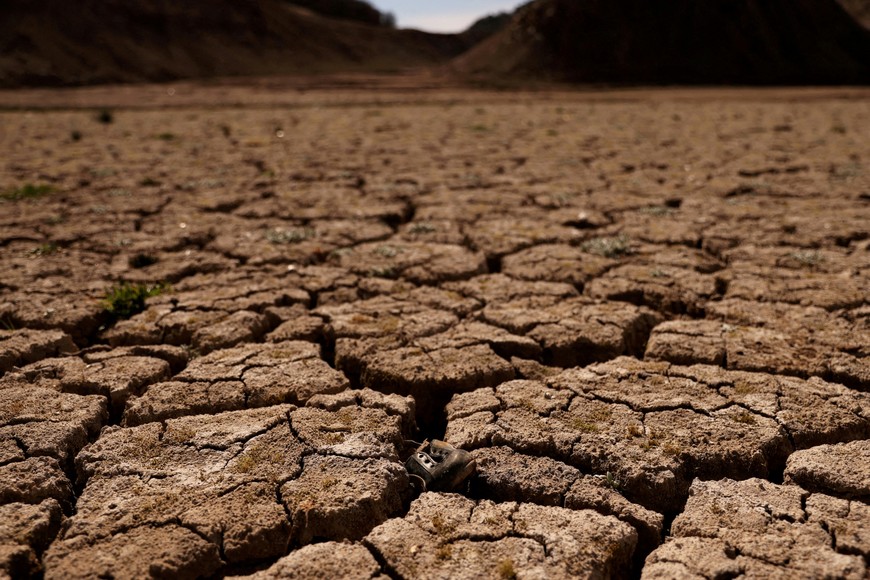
(750, 527)
(556, 263)
(416, 262)
(227, 488)
(18, 348)
(842, 470)
(249, 376)
(654, 427)
(326, 560)
(449, 536)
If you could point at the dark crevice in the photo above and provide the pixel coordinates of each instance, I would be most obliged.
(388, 570)
(242, 568)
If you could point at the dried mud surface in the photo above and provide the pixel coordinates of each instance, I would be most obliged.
(647, 314)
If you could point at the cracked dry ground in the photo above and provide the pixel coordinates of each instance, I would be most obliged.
(647, 317)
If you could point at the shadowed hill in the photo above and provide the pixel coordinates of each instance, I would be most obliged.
(678, 41)
(356, 10)
(56, 42)
(485, 27)
(859, 9)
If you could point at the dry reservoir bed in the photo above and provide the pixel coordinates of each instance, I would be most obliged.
(647, 314)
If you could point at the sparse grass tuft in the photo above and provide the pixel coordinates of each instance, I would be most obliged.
(259, 457)
(744, 388)
(422, 228)
(442, 526)
(656, 210)
(584, 426)
(744, 417)
(808, 258)
(506, 570)
(387, 251)
(388, 272)
(44, 249)
(27, 191)
(290, 236)
(669, 448)
(126, 299)
(612, 247)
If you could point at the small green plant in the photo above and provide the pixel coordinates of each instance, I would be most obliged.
(105, 116)
(387, 251)
(422, 228)
(338, 253)
(656, 210)
(127, 299)
(808, 258)
(388, 272)
(609, 247)
(290, 236)
(26, 191)
(44, 249)
(191, 351)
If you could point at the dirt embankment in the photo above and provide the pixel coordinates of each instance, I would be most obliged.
(716, 41)
(51, 42)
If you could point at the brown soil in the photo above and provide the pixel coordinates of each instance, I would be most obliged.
(718, 41)
(644, 312)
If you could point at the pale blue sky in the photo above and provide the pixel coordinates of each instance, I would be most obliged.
(442, 15)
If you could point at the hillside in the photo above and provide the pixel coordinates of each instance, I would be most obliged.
(54, 42)
(682, 41)
(859, 9)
